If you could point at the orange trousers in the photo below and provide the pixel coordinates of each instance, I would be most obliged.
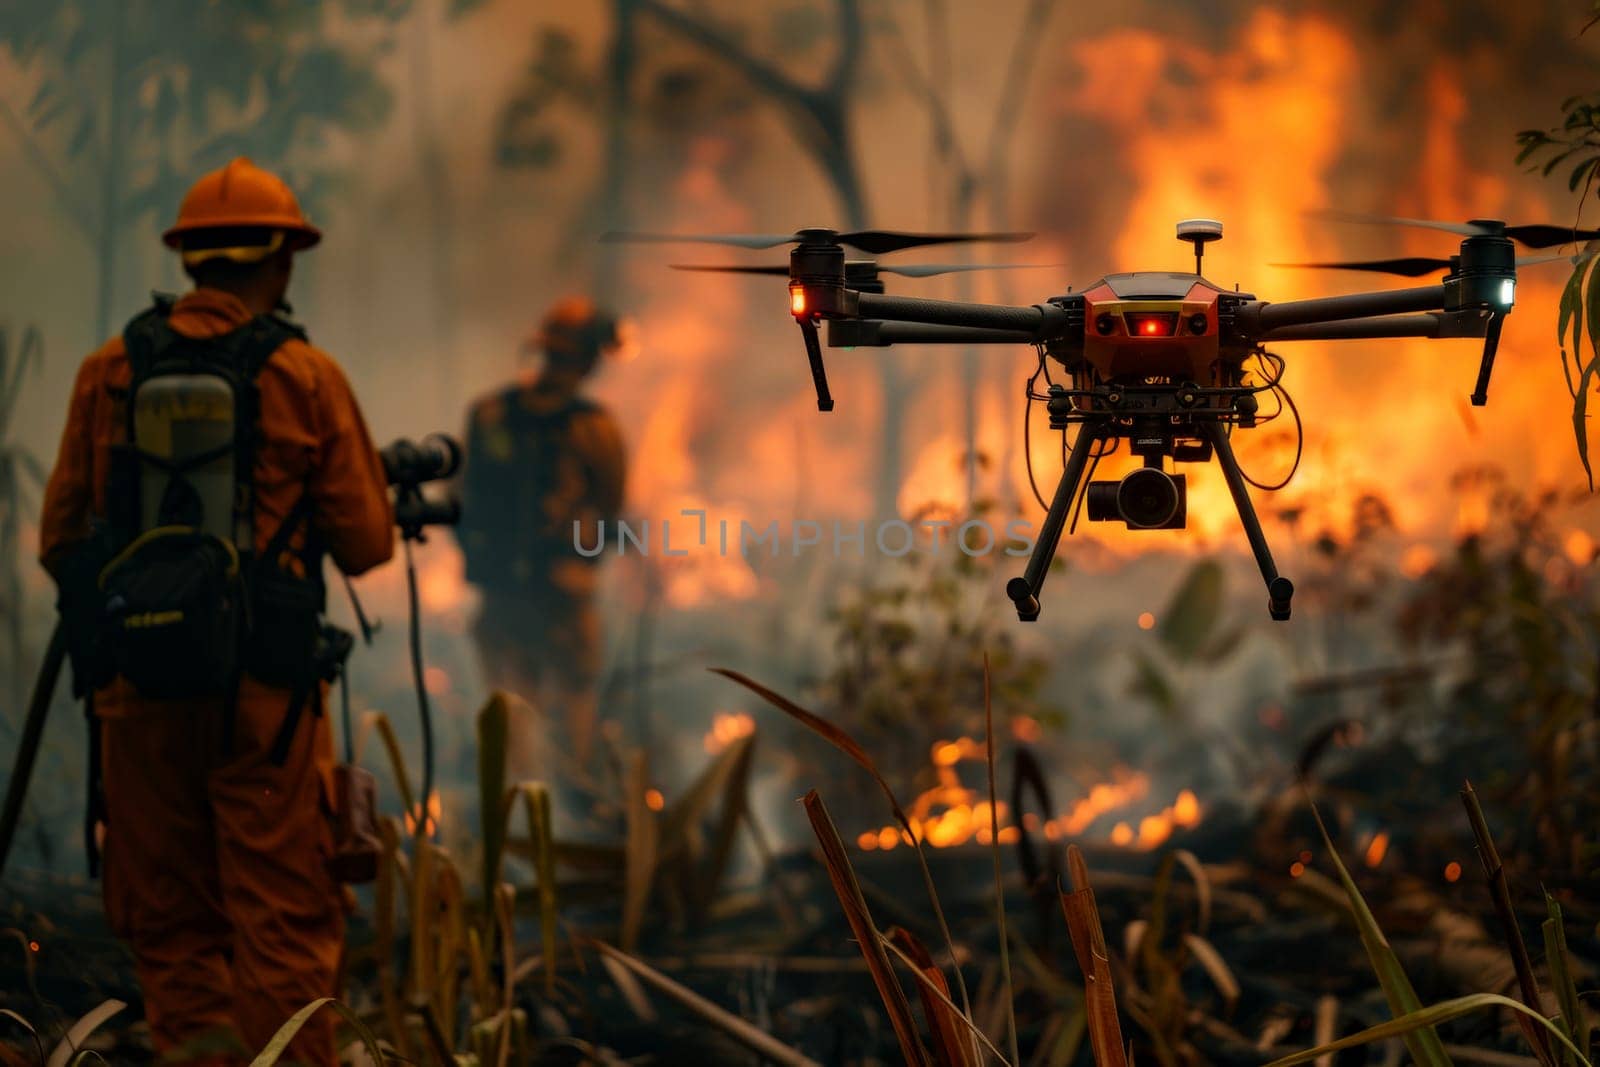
(215, 869)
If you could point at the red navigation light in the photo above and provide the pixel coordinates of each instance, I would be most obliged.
(797, 301)
(1152, 323)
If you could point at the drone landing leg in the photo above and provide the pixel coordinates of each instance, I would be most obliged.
(1024, 591)
(1279, 589)
(819, 373)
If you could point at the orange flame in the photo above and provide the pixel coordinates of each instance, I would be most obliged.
(950, 814)
(435, 813)
(726, 728)
(1377, 848)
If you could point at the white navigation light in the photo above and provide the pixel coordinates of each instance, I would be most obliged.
(1508, 292)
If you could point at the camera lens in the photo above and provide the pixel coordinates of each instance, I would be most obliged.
(410, 463)
(1147, 498)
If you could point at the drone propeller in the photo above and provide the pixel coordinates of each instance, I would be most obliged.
(875, 242)
(1537, 235)
(905, 270)
(1412, 267)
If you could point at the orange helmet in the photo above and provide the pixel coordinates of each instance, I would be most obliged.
(575, 331)
(239, 212)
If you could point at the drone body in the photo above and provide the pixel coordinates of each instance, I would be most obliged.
(1154, 358)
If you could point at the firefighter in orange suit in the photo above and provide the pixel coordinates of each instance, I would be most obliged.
(215, 856)
(542, 459)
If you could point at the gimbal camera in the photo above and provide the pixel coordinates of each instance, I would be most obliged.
(409, 465)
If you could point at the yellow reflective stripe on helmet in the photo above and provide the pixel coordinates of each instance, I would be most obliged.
(238, 253)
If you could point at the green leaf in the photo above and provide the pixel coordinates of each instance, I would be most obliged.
(1579, 172)
(1421, 1040)
(1580, 397)
(1192, 613)
(1223, 643)
(1572, 309)
(1555, 160)
(1572, 1019)
(1423, 1020)
(1150, 682)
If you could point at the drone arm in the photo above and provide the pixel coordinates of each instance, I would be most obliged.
(1257, 318)
(1432, 324)
(872, 333)
(1039, 323)
(1428, 324)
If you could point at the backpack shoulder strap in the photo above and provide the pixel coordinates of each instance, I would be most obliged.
(146, 337)
(258, 341)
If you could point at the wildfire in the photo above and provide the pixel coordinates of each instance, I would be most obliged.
(1377, 848)
(726, 728)
(950, 814)
(435, 813)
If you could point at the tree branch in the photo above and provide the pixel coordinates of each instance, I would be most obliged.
(851, 36)
(41, 161)
(766, 76)
(1024, 57)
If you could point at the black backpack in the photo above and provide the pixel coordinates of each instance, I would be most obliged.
(507, 537)
(186, 606)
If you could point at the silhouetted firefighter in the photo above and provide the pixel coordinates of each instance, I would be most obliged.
(211, 459)
(545, 466)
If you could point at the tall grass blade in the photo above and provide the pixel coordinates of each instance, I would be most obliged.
(1325, 1019)
(79, 1032)
(1216, 968)
(450, 926)
(627, 984)
(856, 913)
(688, 810)
(391, 876)
(483, 993)
(952, 1044)
(1421, 1041)
(1573, 1021)
(1089, 944)
(1500, 892)
(999, 882)
(1202, 885)
(397, 759)
(734, 810)
(639, 865)
(845, 743)
(1426, 1019)
(434, 1032)
(287, 1032)
(536, 807)
(1062, 1037)
(932, 983)
(421, 913)
(493, 736)
(505, 911)
(38, 1045)
(757, 1040)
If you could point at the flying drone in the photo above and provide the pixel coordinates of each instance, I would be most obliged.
(1155, 358)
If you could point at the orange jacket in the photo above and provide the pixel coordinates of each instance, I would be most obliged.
(312, 436)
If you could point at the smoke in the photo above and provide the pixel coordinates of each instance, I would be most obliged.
(1137, 115)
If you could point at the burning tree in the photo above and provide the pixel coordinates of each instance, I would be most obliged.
(19, 469)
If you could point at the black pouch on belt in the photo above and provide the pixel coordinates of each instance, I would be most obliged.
(281, 649)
